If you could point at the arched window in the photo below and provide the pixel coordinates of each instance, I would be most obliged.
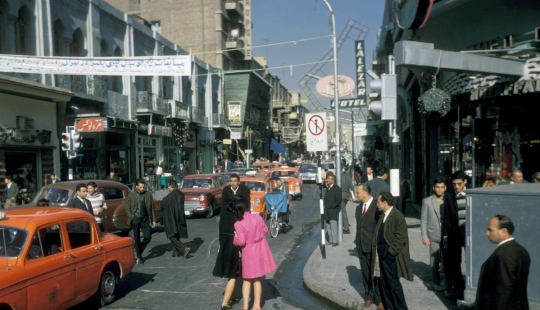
(58, 38)
(117, 85)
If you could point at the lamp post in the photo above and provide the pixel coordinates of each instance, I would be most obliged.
(336, 95)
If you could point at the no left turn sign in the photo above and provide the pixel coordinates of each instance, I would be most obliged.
(316, 125)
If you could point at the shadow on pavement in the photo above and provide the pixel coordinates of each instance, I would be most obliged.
(421, 270)
(355, 279)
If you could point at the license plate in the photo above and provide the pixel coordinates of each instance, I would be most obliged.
(187, 212)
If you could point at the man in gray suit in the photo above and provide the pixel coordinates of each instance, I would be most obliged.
(378, 184)
(430, 228)
(347, 193)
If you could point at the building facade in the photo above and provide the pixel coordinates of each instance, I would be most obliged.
(129, 123)
(466, 89)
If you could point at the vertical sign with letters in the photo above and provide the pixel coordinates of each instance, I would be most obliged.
(360, 72)
(316, 133)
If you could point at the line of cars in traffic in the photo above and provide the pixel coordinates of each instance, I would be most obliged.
(55, 257)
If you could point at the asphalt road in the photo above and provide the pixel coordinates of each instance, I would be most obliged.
(164, 282)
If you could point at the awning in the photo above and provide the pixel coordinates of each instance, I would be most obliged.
(276, 147)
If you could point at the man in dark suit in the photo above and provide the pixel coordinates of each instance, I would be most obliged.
(80, 202)
(181, 172)
(368, 176)
(503, 278)
(174, 219)
(453, 235)
(378, 184)
(367, 216)
(10, 193)
(141, 216)
(391, 243)
(230, 192)
(332, 206)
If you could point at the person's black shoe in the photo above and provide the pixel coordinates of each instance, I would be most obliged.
(139, 261)
(346, 231)
(335, 244)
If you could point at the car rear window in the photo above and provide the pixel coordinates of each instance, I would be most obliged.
(112, 193)
(327, 165)
(254, 186)
(55, 196)
(12, 240)
(197, 183)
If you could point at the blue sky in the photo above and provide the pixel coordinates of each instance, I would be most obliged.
(280, 21)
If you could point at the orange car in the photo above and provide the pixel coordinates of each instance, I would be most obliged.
(292, 176)
(266, 165)
(257, 187)
(55, 258)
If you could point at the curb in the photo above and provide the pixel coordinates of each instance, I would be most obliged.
(335, 294)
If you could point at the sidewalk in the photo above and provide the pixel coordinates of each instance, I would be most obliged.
(338, 277)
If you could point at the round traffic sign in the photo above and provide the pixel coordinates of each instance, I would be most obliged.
(316, 125)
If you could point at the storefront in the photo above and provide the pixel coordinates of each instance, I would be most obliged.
(29, 132)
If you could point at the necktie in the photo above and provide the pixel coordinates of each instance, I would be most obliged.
(364, 210)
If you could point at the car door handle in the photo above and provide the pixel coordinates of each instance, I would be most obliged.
(69, 256)
(99, 247)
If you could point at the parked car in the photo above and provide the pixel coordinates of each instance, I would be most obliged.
(257, 187)
(243, 171)
(55, 258)
(292, 176)
(115, 219)
(227, 176)
(308, 172)
(203, 193)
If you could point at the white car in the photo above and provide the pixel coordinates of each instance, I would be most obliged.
(328, 165)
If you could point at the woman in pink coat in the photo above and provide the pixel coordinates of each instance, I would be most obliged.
(257, 259)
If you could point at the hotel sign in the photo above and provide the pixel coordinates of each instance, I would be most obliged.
(361, 72)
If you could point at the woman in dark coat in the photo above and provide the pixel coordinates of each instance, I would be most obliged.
(228, 259)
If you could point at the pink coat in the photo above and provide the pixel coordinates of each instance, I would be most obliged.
(257, 258)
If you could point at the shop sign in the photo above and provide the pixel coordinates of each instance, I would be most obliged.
(157, 130)
(236, 135)
(360, 71)
(227, 141)
(325, 86)
(94, 124)
(506, 89)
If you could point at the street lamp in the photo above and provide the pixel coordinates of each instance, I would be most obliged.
(336, 95)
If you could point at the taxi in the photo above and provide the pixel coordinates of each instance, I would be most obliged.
(257, 188)
(292, 176)
(266, 165)
(55, 258)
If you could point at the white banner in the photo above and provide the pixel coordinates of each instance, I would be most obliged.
(179, 65)
(316, 133)
(360, 130)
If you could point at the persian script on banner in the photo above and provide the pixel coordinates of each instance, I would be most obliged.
(179, 65)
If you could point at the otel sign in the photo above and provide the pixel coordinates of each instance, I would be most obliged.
(325, 86)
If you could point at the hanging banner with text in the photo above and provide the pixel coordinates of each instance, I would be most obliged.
(179, 65)
(316, 133)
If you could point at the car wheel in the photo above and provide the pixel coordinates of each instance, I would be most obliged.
(300, 197)
(210, 213)
(107, 286)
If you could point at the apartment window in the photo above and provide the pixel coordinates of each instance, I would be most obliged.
(20, 36)
(156, 26)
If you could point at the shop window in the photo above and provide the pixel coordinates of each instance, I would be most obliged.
(79, 234)
(45, 242)
(112, 193)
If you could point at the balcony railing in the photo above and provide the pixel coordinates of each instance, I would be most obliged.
(197, 115)
(97, 86)
(148, 102)
(179, 109)
(117, 106)
(219, 120)
(234, 43)
(276, 127)
(278, 104)
(291, 134)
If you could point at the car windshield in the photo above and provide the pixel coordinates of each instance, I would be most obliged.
(55, 196)
(327, 165)
(197, 183)
(12, 241)
(226, 176)
(254, 185)
(285, 174)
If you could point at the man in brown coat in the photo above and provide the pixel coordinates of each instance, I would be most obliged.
(391, 243)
